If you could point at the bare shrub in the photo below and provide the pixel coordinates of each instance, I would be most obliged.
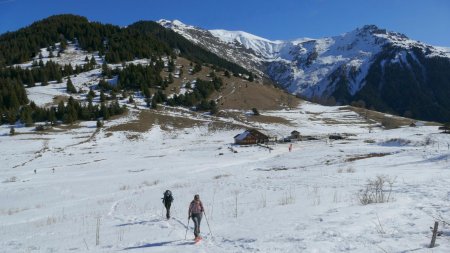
(263, 200)
(350, 170)
(428, 141)
(51, 220)
(377, 190)
(147, 183)
(180, 185)
(287, 198)
(124, 187)
(11, 180)
(221, 176)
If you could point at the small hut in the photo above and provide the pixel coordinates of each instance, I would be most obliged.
(295, 135)
(250, 136)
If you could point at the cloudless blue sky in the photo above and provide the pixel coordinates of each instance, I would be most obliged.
(424, 20)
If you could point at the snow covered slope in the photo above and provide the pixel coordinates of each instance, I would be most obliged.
(256, 199)
(336, 67)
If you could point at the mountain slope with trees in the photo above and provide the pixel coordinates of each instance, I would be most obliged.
(113, 44)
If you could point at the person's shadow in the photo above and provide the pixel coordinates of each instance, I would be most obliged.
(159, 244)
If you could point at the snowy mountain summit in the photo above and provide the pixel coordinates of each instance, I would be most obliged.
(343, 68)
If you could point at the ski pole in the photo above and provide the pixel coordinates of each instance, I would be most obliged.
(206, 218)
(187, 227)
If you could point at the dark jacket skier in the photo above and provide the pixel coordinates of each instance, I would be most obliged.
(195, 212)
(167, 201)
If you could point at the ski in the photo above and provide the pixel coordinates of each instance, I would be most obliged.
(198, 240)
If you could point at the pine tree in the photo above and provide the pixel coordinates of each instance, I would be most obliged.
(61, 110)
(197, 68)
(11, 116)
(52, 116)
(255, 111)
(70, 87)
(171, 66)
(62, 45)
(106, 71)
(104, 111)
(13, 101)
(213, 107)
(250, 77)
(90, 96)
(30, 79)
(99, 124)
(102, 97)
(154, 103)
(25, 116)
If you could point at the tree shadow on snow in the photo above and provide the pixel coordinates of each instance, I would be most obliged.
(159, 244)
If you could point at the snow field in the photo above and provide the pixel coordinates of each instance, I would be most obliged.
(305, 200)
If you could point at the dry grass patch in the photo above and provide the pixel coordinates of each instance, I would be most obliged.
(269, 120)
(371, 155)
(243, 95)
(148, 118)
(387, 121)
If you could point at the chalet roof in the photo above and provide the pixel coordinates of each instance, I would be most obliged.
(249, 132)
(242, 136)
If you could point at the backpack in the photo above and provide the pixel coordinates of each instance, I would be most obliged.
(168, 196)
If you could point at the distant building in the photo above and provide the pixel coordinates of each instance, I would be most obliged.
(250, 136)
(295, 135)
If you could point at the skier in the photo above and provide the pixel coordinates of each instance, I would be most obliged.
(195, 212)
(167, 201)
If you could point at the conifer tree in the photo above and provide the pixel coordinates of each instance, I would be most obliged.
(102, 96)
(25, 116)
(70, 87)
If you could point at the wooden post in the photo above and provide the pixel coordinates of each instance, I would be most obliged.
(433, 239)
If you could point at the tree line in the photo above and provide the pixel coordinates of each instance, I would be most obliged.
(43, 73)
(68, 113)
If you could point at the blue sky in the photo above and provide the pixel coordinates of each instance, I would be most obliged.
(427, 21)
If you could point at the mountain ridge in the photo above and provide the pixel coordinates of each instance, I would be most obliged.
(335, 69)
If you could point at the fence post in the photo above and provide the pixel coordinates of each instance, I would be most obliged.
(433, 239)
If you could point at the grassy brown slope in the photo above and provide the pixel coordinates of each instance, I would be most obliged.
(237, 93)
(388, 121)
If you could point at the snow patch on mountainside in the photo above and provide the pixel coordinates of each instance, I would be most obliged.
(263, 47)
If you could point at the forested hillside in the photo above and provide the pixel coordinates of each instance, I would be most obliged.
(113, 44)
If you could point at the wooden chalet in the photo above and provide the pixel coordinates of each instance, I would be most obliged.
(295, 135)
(251, 136)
